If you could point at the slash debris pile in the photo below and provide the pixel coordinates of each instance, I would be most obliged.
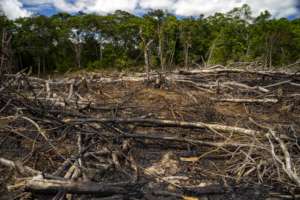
(213, 133)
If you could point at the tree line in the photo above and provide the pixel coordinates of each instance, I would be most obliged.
(156, 40)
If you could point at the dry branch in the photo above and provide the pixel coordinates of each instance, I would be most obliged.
(169, 123)
(239, 71)
(247, 100)
(242, 85)
(24, 170)
(37, 184)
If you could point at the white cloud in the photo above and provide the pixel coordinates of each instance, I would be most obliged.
(69, 7)
(108, 6)
(279, 8)
(157, 4)
(196, 7)
(13, 9)
(37, 2)
(96, 6)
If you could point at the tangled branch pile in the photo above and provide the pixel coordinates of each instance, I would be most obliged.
(179, 135)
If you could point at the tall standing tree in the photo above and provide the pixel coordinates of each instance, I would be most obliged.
(5, 45)
(186, 31)
(158, 17)
(77, 33)
(146, 32)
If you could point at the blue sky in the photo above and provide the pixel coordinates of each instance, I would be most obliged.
(47, 10)
(21, 8)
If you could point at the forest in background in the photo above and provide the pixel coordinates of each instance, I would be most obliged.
(156, 40)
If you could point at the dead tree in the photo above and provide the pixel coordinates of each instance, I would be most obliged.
(146, 44)
(77, 40)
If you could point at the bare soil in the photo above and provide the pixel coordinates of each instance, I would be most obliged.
(158, 161)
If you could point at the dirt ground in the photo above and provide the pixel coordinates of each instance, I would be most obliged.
(41, 128)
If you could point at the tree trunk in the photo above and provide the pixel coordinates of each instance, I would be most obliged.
(270, 54)
(2, 53)
(100, 50)
(266, 54)
(172, 55)
(20, 62)
(44, 65)
(160, 49)
(77, 48)
(145, 46)
(39, 66)
(146, 62)
(211, 51)
(186, 55)
(146, 56)
(5, 53)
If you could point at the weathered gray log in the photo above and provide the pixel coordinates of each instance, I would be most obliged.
(242, 85)
(289, 82)
(74, 187)
(228, 70)
(168, 123)
(185, 140)
(24, 170)
(247, 100)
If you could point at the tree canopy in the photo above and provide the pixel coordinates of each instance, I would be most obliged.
(156, 39)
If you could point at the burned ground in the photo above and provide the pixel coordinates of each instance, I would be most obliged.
(203, 134)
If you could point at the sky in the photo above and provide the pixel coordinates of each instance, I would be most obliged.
(14, 9)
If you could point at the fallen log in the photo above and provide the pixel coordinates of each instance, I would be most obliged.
(247, 100)
(185, 140)
(57, 184)
(207, 86)
(24, 170)
(241, 85)
(199, 191)
(289, 82)
(40, 185)
(167, 123)
(227, 70)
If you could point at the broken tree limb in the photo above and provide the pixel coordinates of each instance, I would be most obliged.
(288, 82)
(228, 70)
(202, 87)
(41, 185)
(48, 89)
(242, 85)
(247, 100)
(185, 79)
(185, 140)
(168, 123)
(24, 170)
(286, 162)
